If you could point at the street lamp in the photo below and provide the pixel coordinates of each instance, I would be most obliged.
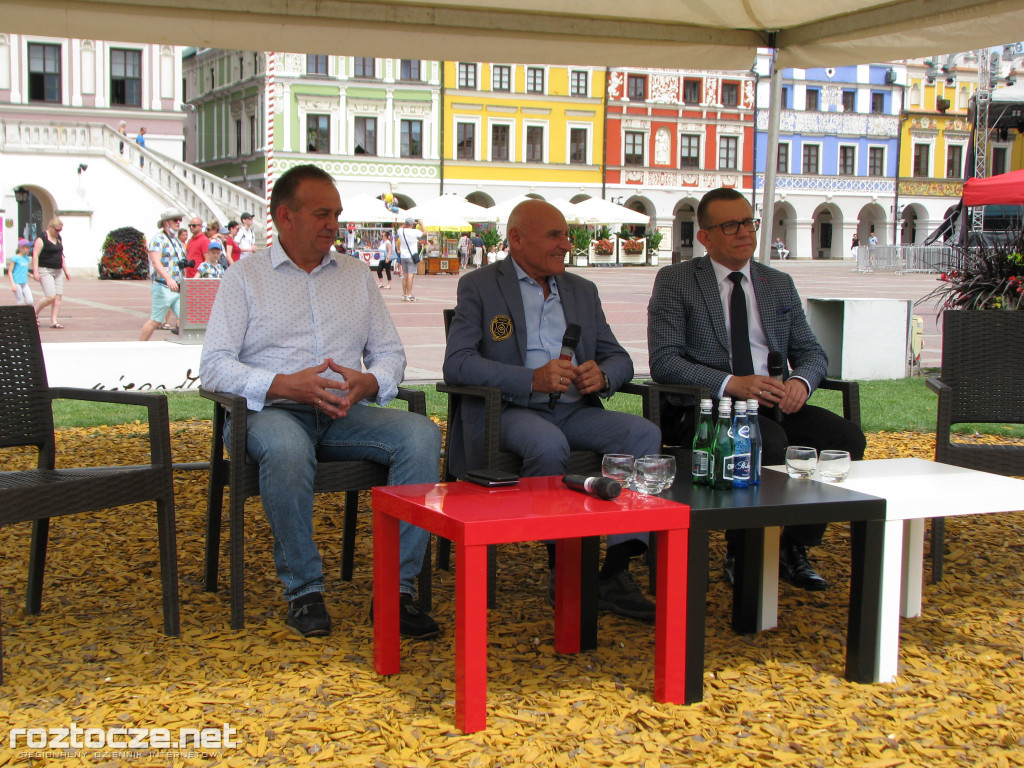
(21, 195)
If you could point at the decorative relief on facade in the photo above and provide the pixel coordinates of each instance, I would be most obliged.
(293, 64)
(832, 184)
(691, 127)
(712, 92)
(662, 142)
(408, 110)
(922, 188)
(615, 82)
(365, 107)
(677, 179)
(664, 89)
(341, 168)
(635, 123)
(831, 98)
(850, 123)
(748, 95)
(318, 103)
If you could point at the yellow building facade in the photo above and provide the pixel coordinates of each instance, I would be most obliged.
(515, 128)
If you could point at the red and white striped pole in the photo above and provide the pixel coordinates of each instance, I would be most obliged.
(269, 122)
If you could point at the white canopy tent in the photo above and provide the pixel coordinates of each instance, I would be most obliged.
(435, 213)
(366, 209)
(594, 210)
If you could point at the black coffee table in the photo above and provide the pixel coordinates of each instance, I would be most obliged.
(780, 501)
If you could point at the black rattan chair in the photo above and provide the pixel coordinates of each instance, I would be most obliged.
(26, 419)
(980, 382)
(242, 478)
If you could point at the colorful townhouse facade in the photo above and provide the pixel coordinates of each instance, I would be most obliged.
(838, 151)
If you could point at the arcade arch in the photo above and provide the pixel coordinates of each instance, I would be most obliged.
(827, 232)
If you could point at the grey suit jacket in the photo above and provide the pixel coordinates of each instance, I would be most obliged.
(686, 334)
(487, 347)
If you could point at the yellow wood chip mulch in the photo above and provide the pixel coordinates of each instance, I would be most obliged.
(96, 655)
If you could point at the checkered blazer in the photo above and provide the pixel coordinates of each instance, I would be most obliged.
(686, 334)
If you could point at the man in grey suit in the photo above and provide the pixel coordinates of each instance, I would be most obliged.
(690, 340)
(507, 332)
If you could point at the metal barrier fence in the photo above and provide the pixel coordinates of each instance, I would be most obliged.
(904, 258)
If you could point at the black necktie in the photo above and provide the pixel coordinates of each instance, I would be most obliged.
(742, 363)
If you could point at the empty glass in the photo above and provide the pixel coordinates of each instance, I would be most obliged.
(617, 467)
(834, 466)
(653, 473)
(800, 461)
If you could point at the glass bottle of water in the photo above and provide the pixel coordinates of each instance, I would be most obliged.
(703, 442)
(722, 452)
(755, 442)
(741, 445)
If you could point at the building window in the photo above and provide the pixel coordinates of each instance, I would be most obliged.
(999, 156)
(636, 87)
(499, 142)
(316, 65)
(813, 100)
(501, 77)
(467, 75)
(213, 79)
(782, 165)
(922, 161)
(465, 141)
(785, 97)
(126, 77)
(728, 153)
(365, 129)
(849, 101)
(691, 91)
(318, 134)
(689, 151)
(534, 144)
(365, 67)
(578, 83)
(634, 148)
(847, 161)
(578, 146)
(412, 135)
(252, 134)
(810, 152)
(954, 161)
(410, 69)
(241, 67)
(730, 94)
(876, 161)
(877, 103)
(238, 138)
(44, 72)
(534, 80)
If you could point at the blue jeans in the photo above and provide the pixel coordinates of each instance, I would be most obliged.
(544, 438)
(287, 440)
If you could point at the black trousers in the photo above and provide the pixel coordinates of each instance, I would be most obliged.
(383, 265)
(816, 427)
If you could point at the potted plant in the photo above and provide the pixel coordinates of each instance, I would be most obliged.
(124, 256)
(988, 276)
(603, 247)
(633, 246)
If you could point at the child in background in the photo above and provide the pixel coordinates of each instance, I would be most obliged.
(211, 268)
(18, 273)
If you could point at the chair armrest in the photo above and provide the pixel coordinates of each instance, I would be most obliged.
(154, 403)
(937, 385)
(492, 415)
(850, 391)
(653, 392)
(943, 414)
(226, 404)
(416, 398)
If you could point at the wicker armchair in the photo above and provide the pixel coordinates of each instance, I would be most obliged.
(980, 381)
(26, 419)
(242, 477)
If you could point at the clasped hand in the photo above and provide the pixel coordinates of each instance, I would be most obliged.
(790, 395)
(556, 376)
(329, 395)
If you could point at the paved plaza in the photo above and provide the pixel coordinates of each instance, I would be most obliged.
(111, 310)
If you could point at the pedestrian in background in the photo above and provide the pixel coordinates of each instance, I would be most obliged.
(387, 256)
(50, 268)
(140, 139)
(17, 272)
(166, 254)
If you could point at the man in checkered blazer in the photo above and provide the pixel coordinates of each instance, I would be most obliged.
(690, 342)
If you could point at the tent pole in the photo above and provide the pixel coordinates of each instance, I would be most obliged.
(771, 160)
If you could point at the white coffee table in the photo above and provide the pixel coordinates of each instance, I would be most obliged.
(914, 490)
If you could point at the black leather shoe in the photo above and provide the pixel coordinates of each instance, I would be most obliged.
(308, 615)
(795, 568)
(413, 621)
(729, 569)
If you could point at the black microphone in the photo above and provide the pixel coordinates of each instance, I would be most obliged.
(776, 369)
(569, 342)
(602, 487)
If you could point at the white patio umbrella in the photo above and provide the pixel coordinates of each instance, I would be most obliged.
(366, 209)
(594, 210)
(503, 210)
(435, 213)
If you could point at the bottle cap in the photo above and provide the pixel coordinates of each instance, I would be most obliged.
(741, 407)
(752, 406)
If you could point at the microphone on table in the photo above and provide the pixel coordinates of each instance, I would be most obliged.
(601, 487)
(569, 342)
(776, 369)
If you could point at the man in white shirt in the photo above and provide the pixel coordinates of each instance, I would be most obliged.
(409, 238)
(291, 330)
(246, 238)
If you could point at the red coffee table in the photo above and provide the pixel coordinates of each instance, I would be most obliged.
(538, 508)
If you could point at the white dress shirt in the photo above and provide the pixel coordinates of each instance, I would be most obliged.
(271, 317)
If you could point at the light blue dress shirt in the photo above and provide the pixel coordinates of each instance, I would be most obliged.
(271, 317)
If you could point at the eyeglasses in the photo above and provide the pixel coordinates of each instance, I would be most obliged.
(732, 227)
(177, 219)
(193, 224)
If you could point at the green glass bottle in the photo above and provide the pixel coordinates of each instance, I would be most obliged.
(703, 442)
(722, 452)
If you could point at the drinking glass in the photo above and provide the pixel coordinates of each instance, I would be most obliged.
(617, 467)
(800, 461)
(653, 473)
(834, 466)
